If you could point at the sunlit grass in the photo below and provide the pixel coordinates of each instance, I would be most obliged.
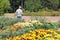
(42, 13)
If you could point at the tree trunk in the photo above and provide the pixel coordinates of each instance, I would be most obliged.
(22, 3)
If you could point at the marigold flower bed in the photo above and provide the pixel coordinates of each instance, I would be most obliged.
(38, 35)
(21, 25)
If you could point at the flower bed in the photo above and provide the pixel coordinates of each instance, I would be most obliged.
(34, 23)
(38, 35)
(21, 28)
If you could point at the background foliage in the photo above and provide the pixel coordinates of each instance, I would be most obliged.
(36, 5)
(4, 6)
(29, 5)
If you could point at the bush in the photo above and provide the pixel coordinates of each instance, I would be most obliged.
(8, 21)
(33, 5)
(50, 4)
(4, 5)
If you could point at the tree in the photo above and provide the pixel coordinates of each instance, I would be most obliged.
(33, 5)
(59, 4)
(15, 4)
(50, 4)
(54, 3)
(4, 5)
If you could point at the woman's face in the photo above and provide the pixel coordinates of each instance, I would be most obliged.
(20, 7)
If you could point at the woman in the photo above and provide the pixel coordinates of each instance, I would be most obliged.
(19, 12)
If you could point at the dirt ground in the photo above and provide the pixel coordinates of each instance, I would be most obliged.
(48, 18)
(27, 18)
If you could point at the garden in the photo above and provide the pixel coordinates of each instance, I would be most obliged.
(12, 28)
(35, 29)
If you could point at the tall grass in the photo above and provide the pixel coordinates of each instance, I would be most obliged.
(42, 13)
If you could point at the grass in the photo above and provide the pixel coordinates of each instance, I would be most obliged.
(42, 13)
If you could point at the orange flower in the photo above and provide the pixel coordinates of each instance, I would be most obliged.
(12, 29)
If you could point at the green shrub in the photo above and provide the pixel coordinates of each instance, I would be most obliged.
(8, 21)
(32, 5)
(4, 5)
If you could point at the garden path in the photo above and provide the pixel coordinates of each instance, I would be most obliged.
(48, 18)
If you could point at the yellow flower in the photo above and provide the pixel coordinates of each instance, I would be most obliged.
(16, 38)
(38, 34)
(34, 21)
(49, 39)
(48, 35)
